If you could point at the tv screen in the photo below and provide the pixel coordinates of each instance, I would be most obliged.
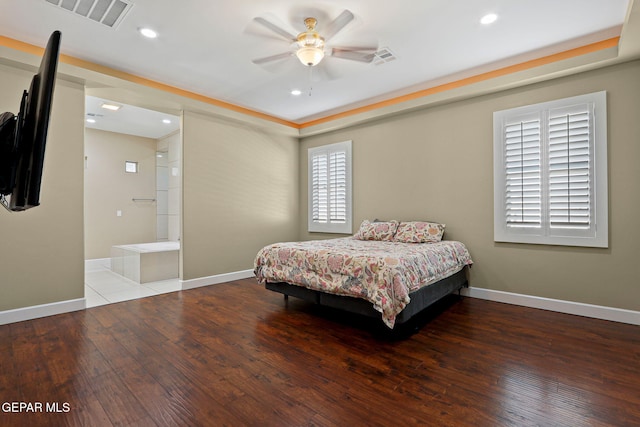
(23, 137)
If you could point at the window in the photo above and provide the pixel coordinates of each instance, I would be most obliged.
(330, 188)
(550, 173)
(130, 167)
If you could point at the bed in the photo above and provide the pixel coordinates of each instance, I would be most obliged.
(390, 270)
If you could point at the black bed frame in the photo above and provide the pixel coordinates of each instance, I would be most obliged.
(420, 299)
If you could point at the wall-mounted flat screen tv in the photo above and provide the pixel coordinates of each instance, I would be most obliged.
(23, 137)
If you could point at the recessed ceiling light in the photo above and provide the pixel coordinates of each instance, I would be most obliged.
(489, 19)
(91, 121)
(112, 107)
(166, 121)
(296, 92)
(148, 32)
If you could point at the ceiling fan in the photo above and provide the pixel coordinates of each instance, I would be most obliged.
(310, 46)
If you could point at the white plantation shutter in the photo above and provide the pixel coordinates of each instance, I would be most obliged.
(550, 173)
(570, 166)
(330, 188)
(523, 169)
(320, 188)
(338, 187)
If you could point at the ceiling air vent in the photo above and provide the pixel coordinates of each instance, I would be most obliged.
(383, 55)
(106, 12)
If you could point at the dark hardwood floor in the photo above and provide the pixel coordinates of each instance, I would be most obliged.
(235, 354)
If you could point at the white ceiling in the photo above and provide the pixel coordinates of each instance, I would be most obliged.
(207, 46)
(129, 119)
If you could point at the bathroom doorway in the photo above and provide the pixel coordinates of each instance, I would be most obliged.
(132, 186)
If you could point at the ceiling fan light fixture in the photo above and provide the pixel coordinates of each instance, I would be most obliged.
(310, 56)
(310, 44)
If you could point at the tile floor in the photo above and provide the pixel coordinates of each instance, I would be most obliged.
(103, 286)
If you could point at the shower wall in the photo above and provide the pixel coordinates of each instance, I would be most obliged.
(162, 196)
(169, 183)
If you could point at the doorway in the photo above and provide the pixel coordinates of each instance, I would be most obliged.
(127, 200)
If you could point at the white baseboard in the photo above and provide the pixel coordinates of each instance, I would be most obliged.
(37, 311)
(561, 306)
(214, 280)
(97, 264)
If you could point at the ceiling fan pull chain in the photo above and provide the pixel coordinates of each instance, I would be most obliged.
(310, 80)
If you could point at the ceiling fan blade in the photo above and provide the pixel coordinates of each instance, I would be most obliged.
(370, 48)
(338, 24)
(325, 71)
(273, 27)
(354, 54)
(283, 55)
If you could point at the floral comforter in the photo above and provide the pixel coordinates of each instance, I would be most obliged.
(381, 272)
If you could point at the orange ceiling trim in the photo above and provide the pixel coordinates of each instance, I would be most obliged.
(35, 50)
(172, 89)
(583, 50)
(21, 46)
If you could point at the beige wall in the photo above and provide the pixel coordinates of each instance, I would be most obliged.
(41, 250)
(437, 164)
(240, 192)
(108, 188)
(244, 188)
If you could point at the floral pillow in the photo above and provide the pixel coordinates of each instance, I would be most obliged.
(376, 230)
(419, 232)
